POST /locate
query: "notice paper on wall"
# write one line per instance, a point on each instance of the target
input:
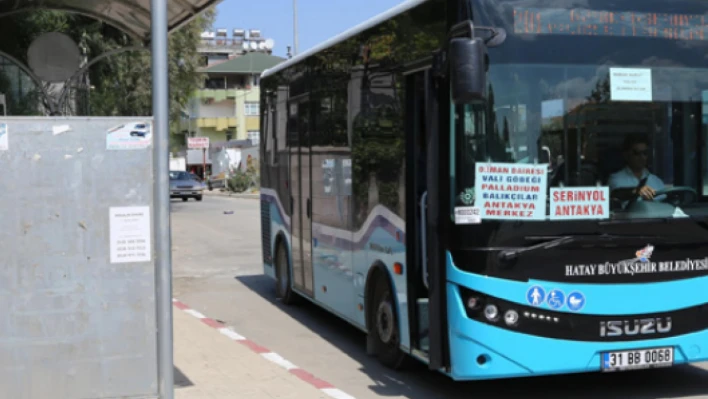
(510, 191)
(130, 234)
(572, 203)
(130, 136)
(630, 84)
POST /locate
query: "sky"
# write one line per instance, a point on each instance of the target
(318, 20)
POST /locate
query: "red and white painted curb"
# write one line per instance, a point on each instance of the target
(273, 357)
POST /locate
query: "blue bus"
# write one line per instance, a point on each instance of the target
(498, 188)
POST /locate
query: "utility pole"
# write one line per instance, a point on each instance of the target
(295, 45)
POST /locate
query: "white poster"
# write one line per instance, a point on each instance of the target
(3, 137)
(130, 234)
(509, 191)
(630, 84)
(131, 136)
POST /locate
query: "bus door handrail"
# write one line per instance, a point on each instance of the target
(423, 237)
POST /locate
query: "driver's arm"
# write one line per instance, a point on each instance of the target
(657, 184)
(619, 189)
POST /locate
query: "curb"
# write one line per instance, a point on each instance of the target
(216, 193)
(273, 357)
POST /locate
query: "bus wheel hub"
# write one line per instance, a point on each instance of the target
(384, 321)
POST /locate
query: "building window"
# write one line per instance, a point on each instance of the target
(229, 135)
(252, 109)
(254, 136)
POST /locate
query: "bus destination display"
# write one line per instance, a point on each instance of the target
(583, 22)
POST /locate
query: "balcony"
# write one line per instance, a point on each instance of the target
(218, 124)
(216, 94)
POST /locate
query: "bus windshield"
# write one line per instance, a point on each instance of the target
(591, 114)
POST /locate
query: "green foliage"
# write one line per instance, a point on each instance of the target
(122, 83)
(241, 181)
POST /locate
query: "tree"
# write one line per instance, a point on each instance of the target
(122, 84)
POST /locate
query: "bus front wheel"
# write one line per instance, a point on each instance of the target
(385, 327)
(283, 290)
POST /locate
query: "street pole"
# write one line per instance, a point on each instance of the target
(161, 209)
(204, 163)
(295, 45)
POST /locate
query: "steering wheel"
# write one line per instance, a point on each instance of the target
(635, 196)
(677, 196)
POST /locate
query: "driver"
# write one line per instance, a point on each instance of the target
(623, 184)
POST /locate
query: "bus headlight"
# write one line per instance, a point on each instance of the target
(491, 312)
(511, 317)
(472, 302)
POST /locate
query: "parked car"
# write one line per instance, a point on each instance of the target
(185, 185)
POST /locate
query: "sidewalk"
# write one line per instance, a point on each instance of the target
(209, 365)
(218, 193)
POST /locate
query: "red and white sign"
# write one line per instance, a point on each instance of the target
(572, 203)
(197, 143)
(508, 191)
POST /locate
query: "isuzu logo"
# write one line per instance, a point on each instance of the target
(616, 328)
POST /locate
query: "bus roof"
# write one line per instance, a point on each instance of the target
(399, 9)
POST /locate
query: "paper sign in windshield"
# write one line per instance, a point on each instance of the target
(573, 203)
(630, 84)
(467, 215)
(508, 191)
(3, 137)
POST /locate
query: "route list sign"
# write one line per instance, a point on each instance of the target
(510, 191)
(130, 234)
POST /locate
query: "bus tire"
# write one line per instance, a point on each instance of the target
(384, 323)
(283, 289)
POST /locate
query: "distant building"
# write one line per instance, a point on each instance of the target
(227, 107)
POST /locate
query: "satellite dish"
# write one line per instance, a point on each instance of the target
(261, 46)
(54, 57)
(269, 44)
(254, 46)
(245, 46)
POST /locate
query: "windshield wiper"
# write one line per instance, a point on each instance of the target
(510, 255)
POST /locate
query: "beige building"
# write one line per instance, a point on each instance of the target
(227, 107)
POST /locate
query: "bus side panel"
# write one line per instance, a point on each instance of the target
(381, 240)
(332, 242)
(275, 223)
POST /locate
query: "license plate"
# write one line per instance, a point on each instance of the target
(637, 359)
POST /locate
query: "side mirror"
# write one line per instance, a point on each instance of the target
(468, 70)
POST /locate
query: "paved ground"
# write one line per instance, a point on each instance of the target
(210, 365)
(217, 269)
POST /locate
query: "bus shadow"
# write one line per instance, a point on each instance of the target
(417, 382)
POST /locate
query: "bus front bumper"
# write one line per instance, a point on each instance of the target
(482, 351)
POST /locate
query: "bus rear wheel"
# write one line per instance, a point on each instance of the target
(283, 290)
(385, 329)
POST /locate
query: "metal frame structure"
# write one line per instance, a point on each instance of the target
(150, 21)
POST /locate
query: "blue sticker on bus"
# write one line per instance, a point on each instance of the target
(556, 299)
(576, 301)
(535, 295)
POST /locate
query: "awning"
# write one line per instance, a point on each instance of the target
(130, 16)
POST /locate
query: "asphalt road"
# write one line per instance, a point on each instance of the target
(217, 270)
